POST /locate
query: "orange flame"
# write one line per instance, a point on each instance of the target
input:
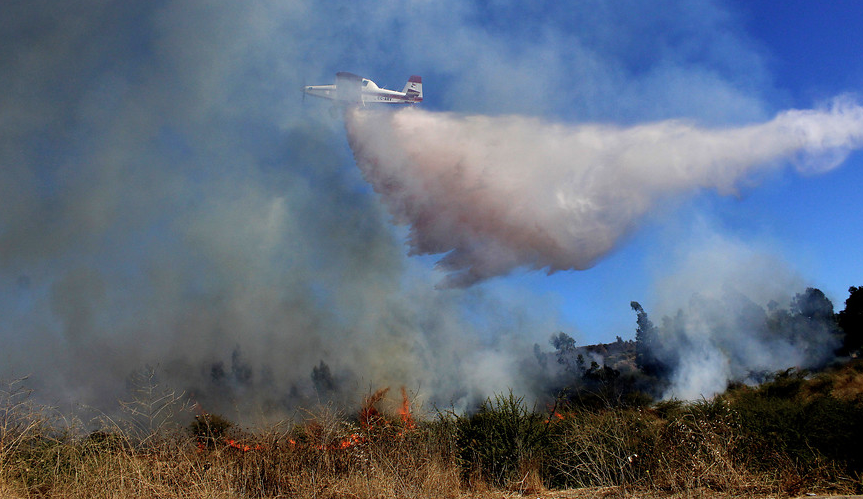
(554, 413)
(369, 414)
(405, 411)
(370, 418)
(351, 441)
(243, 447)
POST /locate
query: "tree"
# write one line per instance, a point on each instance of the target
(851, 322)
(323, 379)
(647, 344)
(813, 305)
(565, 347)
(813, 327)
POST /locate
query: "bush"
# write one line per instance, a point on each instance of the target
(600, 449)
(503, 442)
(809, 431)
(209, 429)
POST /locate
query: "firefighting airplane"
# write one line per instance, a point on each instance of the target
(352, 89)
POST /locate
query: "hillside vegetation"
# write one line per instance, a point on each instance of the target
(606, 430)
(796, 433)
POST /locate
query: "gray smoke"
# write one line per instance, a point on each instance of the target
(166, 201)
(497, 193)
(746, 315)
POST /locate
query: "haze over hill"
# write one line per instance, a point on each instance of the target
(166, 199)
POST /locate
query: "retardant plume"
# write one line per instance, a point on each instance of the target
(497, 193)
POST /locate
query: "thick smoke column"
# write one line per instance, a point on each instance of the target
(498, 193)
(166, 200)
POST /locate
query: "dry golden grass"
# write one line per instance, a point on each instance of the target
(323, 456)
(681, 451)
(368, 470)
(847, 383)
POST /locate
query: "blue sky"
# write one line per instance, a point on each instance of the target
(812, 223)
(166, 196)
(810, 49)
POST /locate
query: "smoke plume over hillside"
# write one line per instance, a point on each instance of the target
(167, 200)
(497, 193)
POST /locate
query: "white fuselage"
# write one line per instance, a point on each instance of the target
(350, 88)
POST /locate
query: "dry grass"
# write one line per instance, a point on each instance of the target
(708, 453)
(692, 450)
(847, 383)
(275, 465)
(685, 451)
(322, 456)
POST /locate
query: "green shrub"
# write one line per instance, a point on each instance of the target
(808, 431)
(502, 440)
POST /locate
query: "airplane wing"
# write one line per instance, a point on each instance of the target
(349, 87)
(354, 89)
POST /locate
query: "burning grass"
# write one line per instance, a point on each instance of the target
(326, 454)
(716, 448)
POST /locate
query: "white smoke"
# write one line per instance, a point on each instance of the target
(166, 198)
(498, 193)
(728, 310)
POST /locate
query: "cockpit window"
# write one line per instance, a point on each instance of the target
(365, 83)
